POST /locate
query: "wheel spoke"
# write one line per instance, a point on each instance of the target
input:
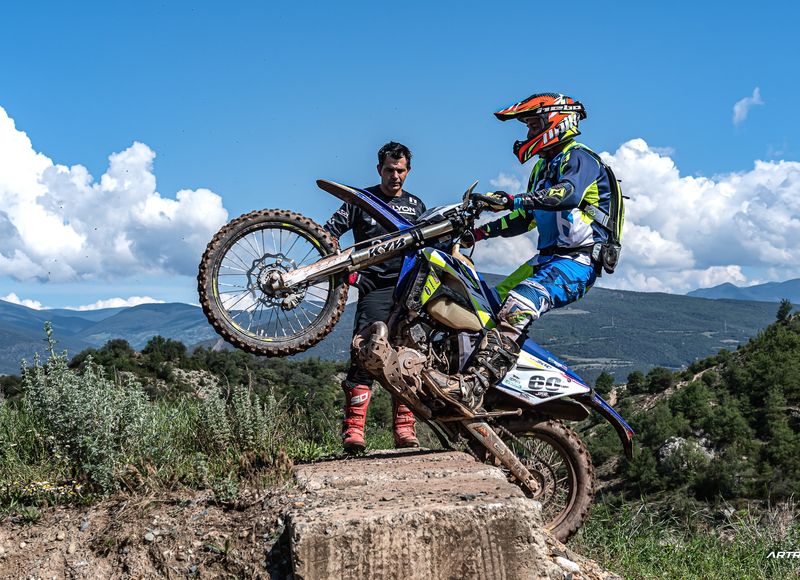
(303, 261)
(241, 262)
(256, 253)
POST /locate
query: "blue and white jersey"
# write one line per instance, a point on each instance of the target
(570, 180)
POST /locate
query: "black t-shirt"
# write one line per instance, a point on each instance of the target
(351, 217)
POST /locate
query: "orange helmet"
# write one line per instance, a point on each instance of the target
(558, 117)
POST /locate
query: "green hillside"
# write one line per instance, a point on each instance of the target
(726, 427)
(708, 494)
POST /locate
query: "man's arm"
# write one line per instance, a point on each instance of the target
(341, 221)
(579, 171)
(517, 222)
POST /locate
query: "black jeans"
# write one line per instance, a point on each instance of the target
(371, 307)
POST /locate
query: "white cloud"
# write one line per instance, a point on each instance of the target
(508, 183)
(106, 303)
(117, 303)
(743, 106)
(58, 224)
(687, 232)
(14, 299)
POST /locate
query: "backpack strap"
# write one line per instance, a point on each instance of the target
(610, 221)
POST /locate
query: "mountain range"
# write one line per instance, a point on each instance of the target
(769, 292)
(612, 330)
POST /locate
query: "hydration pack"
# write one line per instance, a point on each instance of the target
(607, 254)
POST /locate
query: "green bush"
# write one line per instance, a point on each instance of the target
(84, 419)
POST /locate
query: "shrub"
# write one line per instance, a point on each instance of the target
(85, 419)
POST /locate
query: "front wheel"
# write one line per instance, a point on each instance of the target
(235, 295)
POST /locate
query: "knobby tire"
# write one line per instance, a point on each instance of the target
(211, 301)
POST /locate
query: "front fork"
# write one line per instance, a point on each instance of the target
(353, 259)
(489, 438)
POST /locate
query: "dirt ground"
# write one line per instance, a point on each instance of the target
(175, 535)
(188, 534)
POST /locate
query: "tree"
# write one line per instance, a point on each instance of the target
(604, 383)
(658, 380)
(784, 310)
(160, 349)
(635, 383)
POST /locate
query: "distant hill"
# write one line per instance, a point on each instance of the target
(22, 328)
(769, 292)
(727, 426)
(612, 330)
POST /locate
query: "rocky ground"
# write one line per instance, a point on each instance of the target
(189, 534)
(169, 535)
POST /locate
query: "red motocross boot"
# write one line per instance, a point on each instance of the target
(356, 401)
(404, 434)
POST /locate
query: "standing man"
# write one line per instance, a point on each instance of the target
(375, 286)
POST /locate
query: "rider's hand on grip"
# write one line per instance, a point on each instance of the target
(496, 200)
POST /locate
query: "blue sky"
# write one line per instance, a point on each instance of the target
(245, 105)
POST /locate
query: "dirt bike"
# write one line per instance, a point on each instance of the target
(273, 283)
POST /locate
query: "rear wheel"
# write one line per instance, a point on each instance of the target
(232, 283)
(561, 463)
(561, 466)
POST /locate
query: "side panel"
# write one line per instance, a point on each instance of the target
(545, 355)
(536, 381)
(467, 276)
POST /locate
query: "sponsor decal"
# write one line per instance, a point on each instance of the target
(404, 209)
(358, 399)
(387, 247)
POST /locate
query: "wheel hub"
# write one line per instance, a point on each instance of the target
(264, 280)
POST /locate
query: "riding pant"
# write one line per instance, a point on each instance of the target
(540, 285)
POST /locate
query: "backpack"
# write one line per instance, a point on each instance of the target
(607, 254)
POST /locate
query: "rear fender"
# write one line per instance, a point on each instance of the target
(624, 431)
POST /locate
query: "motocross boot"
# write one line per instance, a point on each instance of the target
(356, 401)
(497, 352)
(493, 358)
(404, 434)
(495, 355)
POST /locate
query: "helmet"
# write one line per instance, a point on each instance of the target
(559, 116)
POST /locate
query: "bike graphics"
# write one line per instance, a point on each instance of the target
(272, 282)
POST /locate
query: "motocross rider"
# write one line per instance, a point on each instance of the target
(375, 286)
(566, 179)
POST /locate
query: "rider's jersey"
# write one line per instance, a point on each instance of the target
(571, 179)
(351, 217)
